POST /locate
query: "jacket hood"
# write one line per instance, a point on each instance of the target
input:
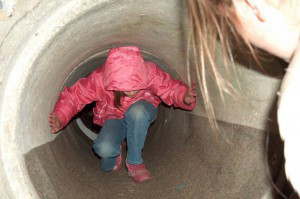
(125, 69)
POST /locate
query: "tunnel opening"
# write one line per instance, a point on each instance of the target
(187, 159)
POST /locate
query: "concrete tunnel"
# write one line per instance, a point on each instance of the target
(46, 45)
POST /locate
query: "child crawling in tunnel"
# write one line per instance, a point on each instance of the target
(127, 91)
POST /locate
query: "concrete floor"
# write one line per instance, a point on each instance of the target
(186, 158)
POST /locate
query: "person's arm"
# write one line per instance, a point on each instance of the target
(289, 120)
(72, 100)
(172, 92)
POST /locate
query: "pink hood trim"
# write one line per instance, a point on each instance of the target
(125, 70)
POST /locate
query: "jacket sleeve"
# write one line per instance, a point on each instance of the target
(169, 90)
(74, 98)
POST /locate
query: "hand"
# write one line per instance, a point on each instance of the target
(190, 95)
(54, 123)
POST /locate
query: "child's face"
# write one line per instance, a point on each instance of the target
(131, 93)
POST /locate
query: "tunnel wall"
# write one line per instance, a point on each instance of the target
(42, 42)
(32, 15)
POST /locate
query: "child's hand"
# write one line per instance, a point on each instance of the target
(190, 95)
(54, 123)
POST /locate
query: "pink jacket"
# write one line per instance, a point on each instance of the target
(124, 70)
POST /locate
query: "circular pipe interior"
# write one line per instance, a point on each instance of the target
(187, 159)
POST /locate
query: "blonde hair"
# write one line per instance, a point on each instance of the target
(211, 21)
(215, 20)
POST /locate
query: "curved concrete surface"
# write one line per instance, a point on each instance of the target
(48, 44)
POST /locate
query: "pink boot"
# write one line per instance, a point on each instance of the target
(138, 172)
(119, 160)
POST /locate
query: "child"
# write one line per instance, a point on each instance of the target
(127, 92)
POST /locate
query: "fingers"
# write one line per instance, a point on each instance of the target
(190, 98)
(51, 117)
(192, 93)
(192, 88)
(54, 130)
(193, 85)
(54, 123)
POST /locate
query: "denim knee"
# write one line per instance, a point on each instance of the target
(137, 111)
(104, 149)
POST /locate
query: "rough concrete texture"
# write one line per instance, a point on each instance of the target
(42, 44)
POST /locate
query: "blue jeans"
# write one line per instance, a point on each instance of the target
(134, 127)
